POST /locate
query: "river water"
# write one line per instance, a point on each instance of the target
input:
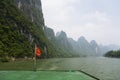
(101, 67)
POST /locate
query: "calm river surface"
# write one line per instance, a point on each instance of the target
(101, 67)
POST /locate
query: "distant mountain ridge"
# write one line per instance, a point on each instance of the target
(81, 47)
(71, 47)
(60, 41)
(85, 48)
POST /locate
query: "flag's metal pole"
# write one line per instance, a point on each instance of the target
(35, 60)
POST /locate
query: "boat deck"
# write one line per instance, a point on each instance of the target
(43, 75)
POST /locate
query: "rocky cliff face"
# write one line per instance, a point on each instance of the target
(32, 9)
(24, 25)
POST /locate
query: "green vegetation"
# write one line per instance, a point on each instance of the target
(12, 42)
(15, 32)
(114, 54)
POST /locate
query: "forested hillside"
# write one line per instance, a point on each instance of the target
(18, 33)
(114, 54)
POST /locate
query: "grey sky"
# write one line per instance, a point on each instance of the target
(94, 19)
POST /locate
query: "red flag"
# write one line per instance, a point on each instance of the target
(37, 51)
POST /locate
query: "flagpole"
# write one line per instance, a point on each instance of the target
(35, 63)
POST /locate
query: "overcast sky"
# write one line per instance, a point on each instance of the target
(94, 19)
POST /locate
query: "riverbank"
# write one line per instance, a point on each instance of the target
(21, 64)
